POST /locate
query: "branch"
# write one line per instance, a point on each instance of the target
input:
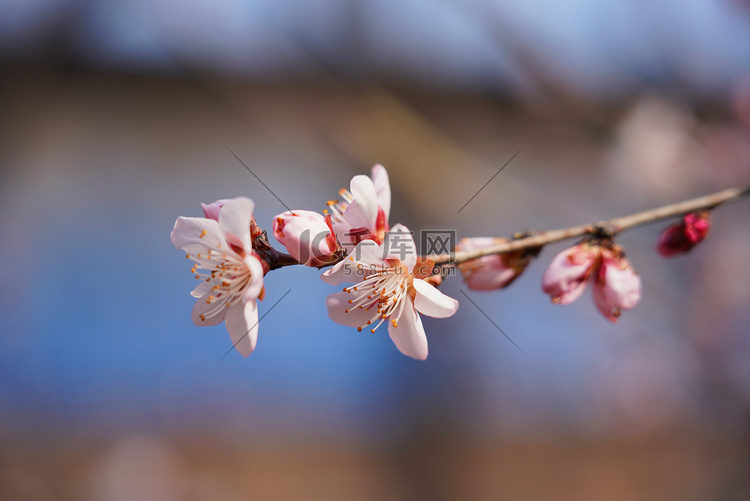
(610, 226)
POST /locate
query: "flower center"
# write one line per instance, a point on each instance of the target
(382, 293)
(227, 272)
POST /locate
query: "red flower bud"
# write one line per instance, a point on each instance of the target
(683, 236)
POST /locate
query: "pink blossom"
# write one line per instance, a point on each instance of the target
(567, 275)
(389, 287)
(683, 236)
(490, 272)
(307, 236)
(616, 286)
(363, 213)
(230, 274)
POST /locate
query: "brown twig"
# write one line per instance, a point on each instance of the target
(610, 226)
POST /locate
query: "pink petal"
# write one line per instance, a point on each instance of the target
(408, 335)
(234, 220)
(362, 212)
(201, 307)
(566, 277)
(382, 188)
(188, 231)
(610, 311)
(341, 272)
(367, 253)
(622, 285)
(344, 233)
(202, 289)
(400, 245)
(338, 304)
(431, 302)
(616, 287)
(242, 324)
(255, 286)
(490, 277)
(488, 272)
(211, 211)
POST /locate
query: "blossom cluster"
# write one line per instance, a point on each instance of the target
(389, 282)
(232, 256)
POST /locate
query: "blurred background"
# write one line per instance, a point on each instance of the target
(116, 117)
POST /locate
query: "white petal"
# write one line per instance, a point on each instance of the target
(382, 188)
(409, 336)
(242, 324)
(188, 232)
(337, 305)
(201, 307)
(362, 212)
(431, 302)
(256, 279)
(367, 253)
(202, 289)
(400, 245)
(340, 272)
(234, 220)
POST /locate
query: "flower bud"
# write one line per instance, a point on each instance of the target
(566, 277)
(491, 272)
(308, 237)
(683, 236)
(616, 285)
